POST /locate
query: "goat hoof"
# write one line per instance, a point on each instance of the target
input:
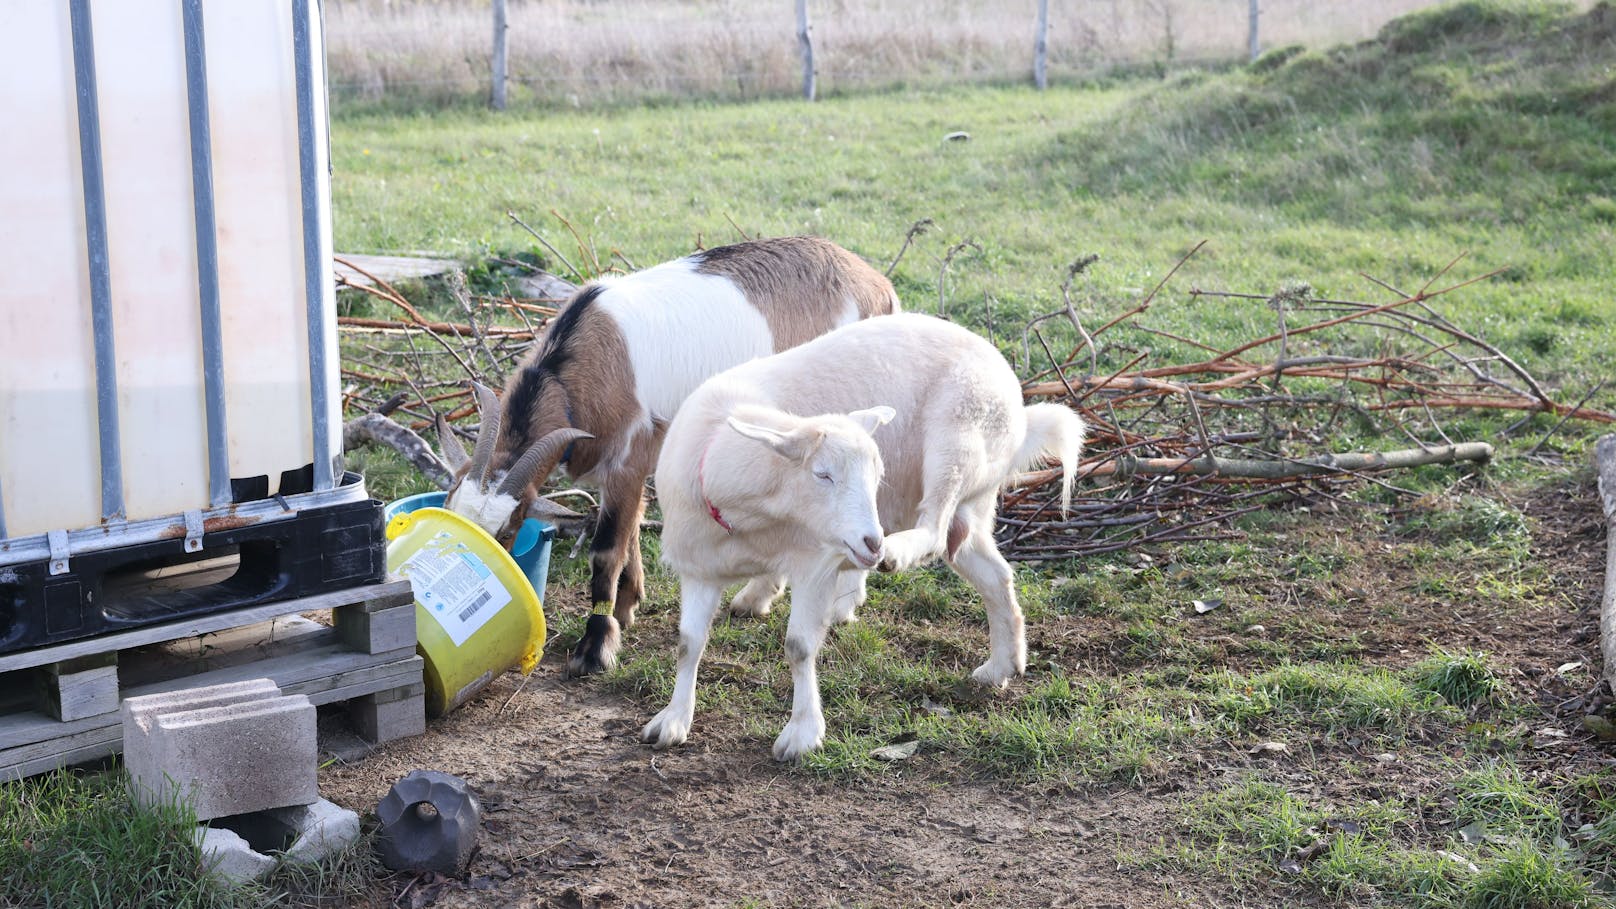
(582, 664)
(754, 599)
(797, 740)
(597, 649)
(993, 675)
(747, 609)
(666, 729)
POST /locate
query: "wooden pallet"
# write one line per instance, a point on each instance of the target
(59, 704)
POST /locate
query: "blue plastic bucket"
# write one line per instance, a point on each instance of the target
(531, 550)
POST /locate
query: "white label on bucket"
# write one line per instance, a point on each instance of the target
(454, 586)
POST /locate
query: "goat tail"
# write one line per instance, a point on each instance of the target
(1054, 429)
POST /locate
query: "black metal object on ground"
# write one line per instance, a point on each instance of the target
(429, 822)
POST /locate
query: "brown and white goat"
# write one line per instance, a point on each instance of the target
(884, 443)
(615, 366)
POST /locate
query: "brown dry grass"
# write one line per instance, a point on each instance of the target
(585, 52)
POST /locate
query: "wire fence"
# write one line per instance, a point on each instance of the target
(587, 52)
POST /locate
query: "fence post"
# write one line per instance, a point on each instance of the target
(501, 54)
(807, 45)
(1251, 30)
(1040, 48)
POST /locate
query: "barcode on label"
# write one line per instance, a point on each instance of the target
(474, 605)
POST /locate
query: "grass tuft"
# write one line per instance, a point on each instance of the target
(1528, 875)
(1499, 797)
(1461, 679)
(71, 840)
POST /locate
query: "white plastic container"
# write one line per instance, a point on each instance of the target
(167, 317)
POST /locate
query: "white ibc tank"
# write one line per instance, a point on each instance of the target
(167, 321)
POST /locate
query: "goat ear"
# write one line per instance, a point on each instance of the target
(872, 418)
(795, 445)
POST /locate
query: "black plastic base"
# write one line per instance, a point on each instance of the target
(318, 550)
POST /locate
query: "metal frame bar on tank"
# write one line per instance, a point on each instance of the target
(95, 230)
(128, 533)
(207, 252)
(329, 488)
(314, 270)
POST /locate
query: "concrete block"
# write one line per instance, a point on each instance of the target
(228, 759)
(376, 630)
(323, 829)
(388, 715)
(138, 711)
(148, 778)
(226, 855)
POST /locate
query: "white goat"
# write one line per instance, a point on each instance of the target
(773, 471)
(612, 369)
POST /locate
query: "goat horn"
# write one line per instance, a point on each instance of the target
(538, 461)
(487, 435)
(453, 452)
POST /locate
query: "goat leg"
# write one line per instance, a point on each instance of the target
(757, 597)
(978, 561)
(698, 602)
(812, 601)
(616, 535)
(631, 583)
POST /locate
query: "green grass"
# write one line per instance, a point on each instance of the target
(1498, 798)
(1484, 129)
(1461, 679)
(1371, 853)
(68, 840)
(78, 841)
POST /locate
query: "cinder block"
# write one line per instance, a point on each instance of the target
(323, 829)
(380, 630)
(139, 716)
(388, 715)
(226, 855)
(134, 709)
(226, 759)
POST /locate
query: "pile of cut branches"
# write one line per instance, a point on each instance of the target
(1186, 436)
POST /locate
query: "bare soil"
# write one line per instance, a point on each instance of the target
(577, 813)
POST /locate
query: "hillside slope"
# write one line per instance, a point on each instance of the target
(1500, 111)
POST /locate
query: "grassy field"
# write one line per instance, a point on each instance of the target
(1389, 158)
(1385, 707)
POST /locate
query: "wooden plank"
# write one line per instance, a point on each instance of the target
(86, 746)
(384, 677)
(196, 625)
(103, 735)
(313, 672)
(79, 688)
(391, 268)
(308, 672)
(1605, 464)
(250, 643)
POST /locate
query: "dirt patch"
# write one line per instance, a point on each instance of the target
(577, 813)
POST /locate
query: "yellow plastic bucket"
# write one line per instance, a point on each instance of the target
(476, 613)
